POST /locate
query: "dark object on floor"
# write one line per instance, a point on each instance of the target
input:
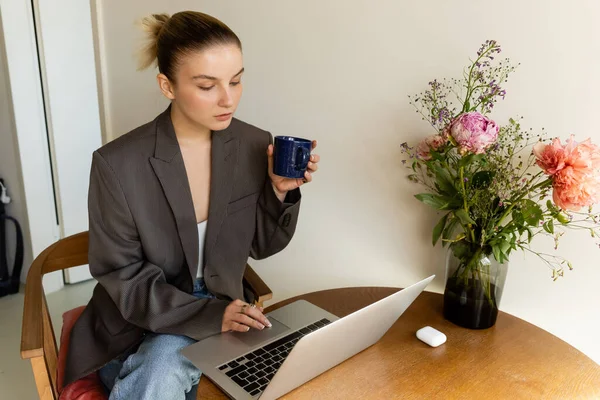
(9, 284)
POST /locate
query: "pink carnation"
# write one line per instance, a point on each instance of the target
(473, 132)
(433, 142)
(575, 171)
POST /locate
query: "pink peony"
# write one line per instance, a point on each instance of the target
(473, 132)
(433, 142)
(550, 157)
(575, 171)
(575, 189)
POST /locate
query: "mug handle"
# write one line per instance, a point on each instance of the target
(302, 157)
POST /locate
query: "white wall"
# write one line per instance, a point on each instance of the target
(340, 72)
(10, 169)
(30, 128)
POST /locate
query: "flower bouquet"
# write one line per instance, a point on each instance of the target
(497, 186)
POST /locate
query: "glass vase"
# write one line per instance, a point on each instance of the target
(474, 285)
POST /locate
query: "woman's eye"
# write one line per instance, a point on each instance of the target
(235, 83)
(206, 88)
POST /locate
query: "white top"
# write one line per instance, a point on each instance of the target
(201, 239)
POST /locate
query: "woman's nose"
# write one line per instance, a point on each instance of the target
(226, 99)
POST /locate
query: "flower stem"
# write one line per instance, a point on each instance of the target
(469, 89)
(466, 207)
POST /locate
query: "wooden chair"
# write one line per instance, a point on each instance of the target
(38, 340)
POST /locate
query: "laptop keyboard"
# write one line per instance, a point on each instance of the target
(253, 371)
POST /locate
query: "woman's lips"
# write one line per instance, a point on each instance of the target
(224, 117)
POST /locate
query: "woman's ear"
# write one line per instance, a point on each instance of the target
(165, 86)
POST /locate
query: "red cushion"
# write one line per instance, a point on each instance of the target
(86, 388)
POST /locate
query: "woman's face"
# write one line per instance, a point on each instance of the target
(208, 86)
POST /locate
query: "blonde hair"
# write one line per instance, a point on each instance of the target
(152, 25)
(168, 38)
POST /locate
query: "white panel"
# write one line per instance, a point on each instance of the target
(10, 167)
(26, 93)
(70, 76)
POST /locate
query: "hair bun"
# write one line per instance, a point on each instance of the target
(153, 26)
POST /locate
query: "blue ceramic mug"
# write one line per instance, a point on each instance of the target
(291, 156)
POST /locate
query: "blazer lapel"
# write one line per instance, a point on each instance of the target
(223, 165)
(170, 169)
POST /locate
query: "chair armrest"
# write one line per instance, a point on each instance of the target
(32, 334)
(258, 287)
(68, 252)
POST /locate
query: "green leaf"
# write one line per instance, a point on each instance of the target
(438, 202)
(444, 180)
(469, 159)
(529, 235)
(464, 217)
(436, 156)
(449, 229)
(532, 213)
(513, 241)
(551, 207)
(461, 250)
(482, 179)
(517, 217)
(497, 253)
(549, 226)
(430, 199)
(438, 229)
(563, 219)
(505, 248)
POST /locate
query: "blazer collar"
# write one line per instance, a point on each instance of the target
(167, 146)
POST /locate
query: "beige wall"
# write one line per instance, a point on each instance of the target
(340, 72)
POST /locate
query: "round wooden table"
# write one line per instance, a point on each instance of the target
(514, 359)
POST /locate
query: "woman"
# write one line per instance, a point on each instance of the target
(176, 206)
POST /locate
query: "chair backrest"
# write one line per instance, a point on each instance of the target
(38, 342)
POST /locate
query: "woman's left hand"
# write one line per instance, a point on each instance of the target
(283, 185)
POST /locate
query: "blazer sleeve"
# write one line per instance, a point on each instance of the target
(275, 221)
(138, 287)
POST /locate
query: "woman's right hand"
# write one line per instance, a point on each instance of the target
(240, 317)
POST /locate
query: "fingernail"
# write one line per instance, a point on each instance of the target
(260, 326)
(268, 323)
(247, 328)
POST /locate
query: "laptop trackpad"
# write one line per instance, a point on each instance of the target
(254, 337)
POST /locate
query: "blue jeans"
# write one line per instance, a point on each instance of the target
(156, 370)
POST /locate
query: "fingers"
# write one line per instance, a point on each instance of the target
(257, 315)
(237, 327)
(307, 177)
(247, 321)
(270, 157)
(314, 144)
(312, 166)
(240, 317)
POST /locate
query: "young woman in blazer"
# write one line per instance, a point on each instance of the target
(176, 207)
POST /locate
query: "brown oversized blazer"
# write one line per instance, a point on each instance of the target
(144, 242)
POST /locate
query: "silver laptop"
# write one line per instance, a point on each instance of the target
(303, 342)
